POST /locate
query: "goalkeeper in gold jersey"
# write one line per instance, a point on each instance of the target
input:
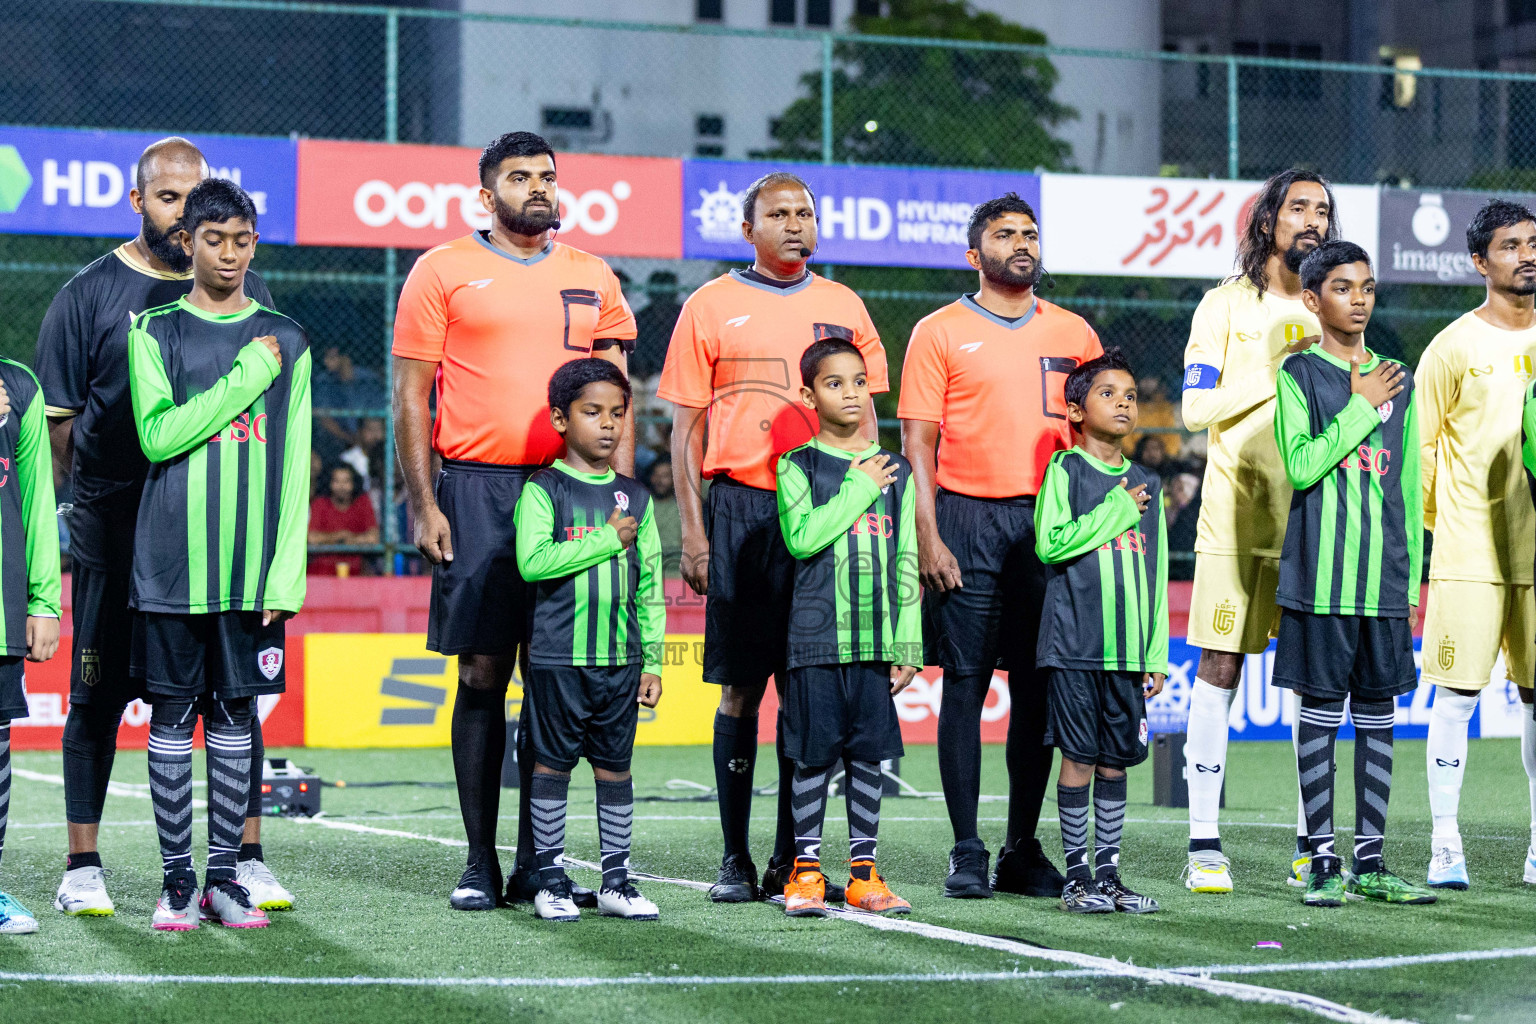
(1241, 333)
(1472, 381)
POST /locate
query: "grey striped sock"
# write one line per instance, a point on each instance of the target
(170, 780)
(1317, 729)
(5, 781)
(808, 803)
(546, 805)
(864, 787)
(1373, 779)
(1072, 806)
(227, 733)
(1108, 822)
(615, 821)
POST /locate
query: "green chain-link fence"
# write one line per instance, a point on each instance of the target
(418, 74)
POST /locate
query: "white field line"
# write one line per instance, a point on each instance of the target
(1366, 964)
(136, 791)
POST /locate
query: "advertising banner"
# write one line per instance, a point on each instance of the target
(1424, 235)
(414, 197)
(57, 181)
(1165, 227)
(870, 216)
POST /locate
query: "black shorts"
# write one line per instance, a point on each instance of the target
(836, 711)
(13, 689)
(994, 619)
(573, 713)
(751, 581)
(1097, 717)
(100, 670)
(1331, 657)
(228, 655)
(101, 525)
(480, 603)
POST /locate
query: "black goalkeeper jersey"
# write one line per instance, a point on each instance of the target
(82, 364)
(225, 513)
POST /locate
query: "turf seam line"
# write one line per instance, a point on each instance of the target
(551, 982)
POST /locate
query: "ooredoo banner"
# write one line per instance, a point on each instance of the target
(1165, 227)
(58, 181)
(414, 197)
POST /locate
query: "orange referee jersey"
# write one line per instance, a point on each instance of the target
(996, 390)
(499, 327)
(736, 351)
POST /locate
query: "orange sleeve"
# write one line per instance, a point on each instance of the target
(421, 317)
(614, 318)
(924, 376)
(876, 363)
(688, 375)
(1092, 347)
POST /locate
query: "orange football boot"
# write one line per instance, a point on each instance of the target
(874, 896)
(805, 895)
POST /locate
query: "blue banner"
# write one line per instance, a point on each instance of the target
(57, 181)
(873, 216)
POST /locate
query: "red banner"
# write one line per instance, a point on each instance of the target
(414, 197)
(918, 709)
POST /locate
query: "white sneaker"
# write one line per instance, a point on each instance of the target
(1530, 865)
(1208, 871)
(228, 903)
(265, 891)
(1301, 871)
(1447, 869)
(83, 893)
(553, 902)
(15, 919)
(626, 902)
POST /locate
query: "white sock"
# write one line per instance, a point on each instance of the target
(1293, 699)
(1445, 757)
(1205, 756)
(1528, 755)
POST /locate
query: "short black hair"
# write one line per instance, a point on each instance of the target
(1495, 214)
(819, 352)
(1314, 269)
(216, 200)
(1080, 380)
(508, 145)
(573, 377)
(749, 198)
(987, 212)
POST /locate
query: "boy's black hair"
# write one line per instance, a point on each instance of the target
(1080, 380)
(749, 198)
(1315, 268)
(813, 357)
(572, 378)
(216, 200)
(987, 212)
(1495, 214)
(510, 144)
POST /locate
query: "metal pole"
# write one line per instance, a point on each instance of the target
(391, 134)
(826, 117)
(1231, 117)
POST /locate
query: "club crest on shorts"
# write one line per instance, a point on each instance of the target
(270, 661)
(1224, 618)
(90, 666)
(622, 497)
(1141, 732)
(1445, 654)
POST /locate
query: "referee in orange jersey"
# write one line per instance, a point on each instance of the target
(486, 320)
(982, 410)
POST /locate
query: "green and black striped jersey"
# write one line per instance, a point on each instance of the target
(1528, 437)
(1106, 592)
(1354, 540)
(857, 592)
(29, 530)
(597, 604)
(224, 518)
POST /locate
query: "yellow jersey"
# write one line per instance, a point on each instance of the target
(1237, 341)
(1471, 387)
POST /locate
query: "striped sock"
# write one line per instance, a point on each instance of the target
(227, 734)
(546, 803)
(864, 787)
(1072, 806)
(1373, 779)
(1108, 824)
(170, 780)
(5, 781)
(615, 821)
(808, 801)
(1317, 729)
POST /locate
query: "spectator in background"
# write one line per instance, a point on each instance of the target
(1182, 512)
(654, 323)
(669, 523)
(316, 465)
(1155, 409)
(339, 383)
(366, 455)
(343, 515)
(1152, 452)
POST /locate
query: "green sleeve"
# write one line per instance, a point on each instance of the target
(808, 528)
(1157, 651)
(34, 468)
(1413, 500)
(1528, 434)
(166, 429)
(1061, 537)
(286, 582)
(1309, 458)
(540, 556)
(653, 603)
(909, 590)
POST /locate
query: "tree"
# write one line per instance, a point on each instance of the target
(949, 107)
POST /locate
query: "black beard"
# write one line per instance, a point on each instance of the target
(1296, 254)
(1523, 287)
(1002, 274)
(524, 222)
(166, 246)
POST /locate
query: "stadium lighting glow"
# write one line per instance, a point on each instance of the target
(871, 126)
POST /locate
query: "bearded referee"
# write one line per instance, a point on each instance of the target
(982, 411)
(486, 320)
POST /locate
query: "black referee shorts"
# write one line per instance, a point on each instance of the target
(1097, 717)
(13, 690)
(836, 711)
(995, 617)
(1331, 657)
(480, 603)
(583, 712)
(751, 580)
(227, 655)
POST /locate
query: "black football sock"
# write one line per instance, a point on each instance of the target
(170, 780)
(479, 737)
(82, 860)
(960, 747)
(1373, 779)
(258, 760)
(1108, 823)
(735, 758)
(227, 734)
(1027, 756)
(615, 820)
(5, 780)
(547, 804)
(863, 786)
(90, 747)
(808, 787)
(1072, 806)
(250, 851)
(784, 825)
(525, 862)
(1317, 729)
